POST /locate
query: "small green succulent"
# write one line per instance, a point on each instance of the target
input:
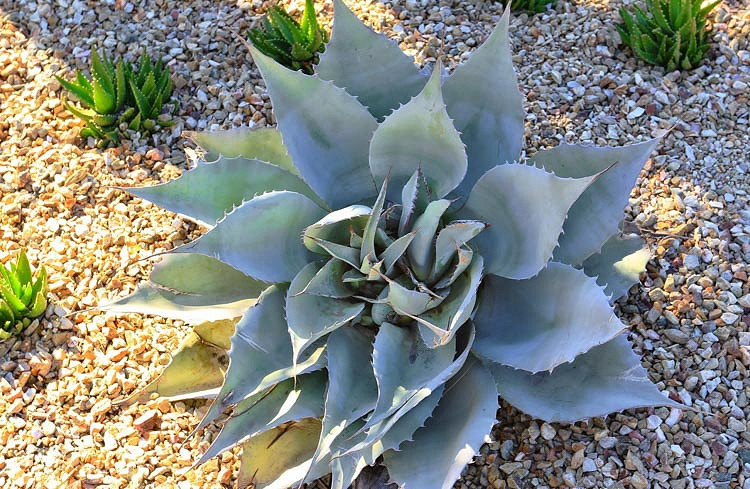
(535, 6)
(22, 296)
(376, 281)
(672, 33)
(117, 97)
(294, 45)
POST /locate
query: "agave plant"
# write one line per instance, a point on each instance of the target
(379, 279)
(671, 34)
(117, 97)
(22, 296)
(295, 45)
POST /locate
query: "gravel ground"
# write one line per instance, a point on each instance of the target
(690, 320)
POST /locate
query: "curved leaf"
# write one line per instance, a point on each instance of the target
(196, 370)
(421, 250)
(597, 213)
(542, 322)
(606, 379)
(279, 458)
(619, 264)
(337, 227)
(525, 208)
(262, 144)
(310, 317)
(403, 364)
(289, 400)
(193, 288)
(451, 437)
(328, 142)
(482, 97)
(261, 237)
(261, 354)
(368, 65)
(206, 193)
(419, 135)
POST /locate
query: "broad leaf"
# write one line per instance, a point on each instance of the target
(542, 322)
(618, 266)
(337, 227)
(310, 317)
(597, 213)
(289, 400)
(483, 100)
(196, 370)
(606, 379)
(368, 65)
(403, 364)
(261, 237)
(525, 208)
(421, 251)
(193, 288)
(279, 458)
(419, 135)
(327, 142)
(206, 193)
(261, 354)
(452, 436)
(262, 144)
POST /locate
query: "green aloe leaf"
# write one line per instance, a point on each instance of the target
(104, 102)
(451, 437)
(618, 265)
(224, 184)
(84, 94)
(262, 144)
(289, 400)
(261, 354)
(482, 97)
(606, 379)
(193, 288)
(101, 74)
(419, 135)
(141, 101)
(328, 143)
(261, 237)
(23, 269)
(310, 317)
(539, 323)
(596, 215)
(368, 65)
(523, 228)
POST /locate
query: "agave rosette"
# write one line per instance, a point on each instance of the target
(381, 266)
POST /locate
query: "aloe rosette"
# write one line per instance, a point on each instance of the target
(381, 266)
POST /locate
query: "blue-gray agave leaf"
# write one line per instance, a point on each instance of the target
(224, 183)
(328, 142)
(521, 238)
(263, 143)
(193, 288)
(261, 237)
(608, 378)
(596, 215)
(419, 135)
(542, 322)
(368, 65)
(619, 264)
(452, 436)
(482, 97)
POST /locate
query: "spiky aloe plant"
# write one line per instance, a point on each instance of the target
(388, 271)
(117, 97)
(296, 45)
(22, 296)
(535, 6)
(672, 33)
